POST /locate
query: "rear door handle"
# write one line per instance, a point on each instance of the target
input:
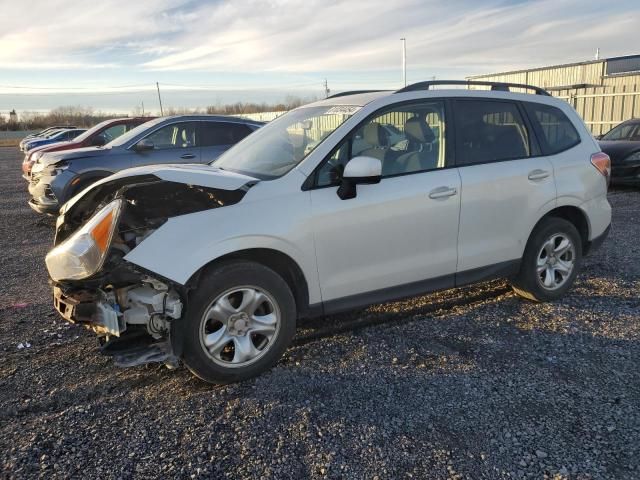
(443, 192)
(187, 156)
(538, 174)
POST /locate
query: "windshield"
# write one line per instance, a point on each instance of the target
(626, 131)
(133, 133)
(276, 148)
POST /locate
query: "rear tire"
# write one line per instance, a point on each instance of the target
(238, 323)
(551, 261)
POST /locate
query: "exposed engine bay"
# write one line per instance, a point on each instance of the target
(131, 310)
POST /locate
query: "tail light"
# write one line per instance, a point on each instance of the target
(602, 162)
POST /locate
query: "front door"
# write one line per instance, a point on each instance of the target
(174, 143)
(398, 237)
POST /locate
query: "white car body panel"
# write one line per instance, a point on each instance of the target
(391, 234)
(500, 207)
(267, 217)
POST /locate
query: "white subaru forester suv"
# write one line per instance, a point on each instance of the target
(322, 211)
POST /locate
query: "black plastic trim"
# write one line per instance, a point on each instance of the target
(597, 242)
(498, 270)
(445, 282)
(495, 86)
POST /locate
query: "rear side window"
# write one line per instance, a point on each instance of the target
(489, 131)
(555, 130)
(222, 133)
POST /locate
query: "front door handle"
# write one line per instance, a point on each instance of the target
(538, 174)
(443, 192)
(187, 156)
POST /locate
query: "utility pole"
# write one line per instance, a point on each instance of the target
(404, 61)
(326, 89)
(160, 99)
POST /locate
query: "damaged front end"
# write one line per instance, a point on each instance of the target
(132, 311)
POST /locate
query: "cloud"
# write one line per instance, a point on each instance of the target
(349, 38)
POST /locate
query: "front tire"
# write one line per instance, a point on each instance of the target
(239, 322)
(551, 261)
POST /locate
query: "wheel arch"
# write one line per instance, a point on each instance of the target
(279, 262)
(81, 181)
(575, 216)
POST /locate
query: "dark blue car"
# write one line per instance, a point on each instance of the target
(57, 176)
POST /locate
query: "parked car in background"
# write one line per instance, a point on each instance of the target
(59, 136)
(215, 264)
(622, 144)
(96, 136)
(43, 133)
(57, 176)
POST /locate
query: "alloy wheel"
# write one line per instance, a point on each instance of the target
(239, 326)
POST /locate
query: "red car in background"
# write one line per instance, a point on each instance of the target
(96, 136)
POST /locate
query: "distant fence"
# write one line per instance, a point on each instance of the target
(262, 116)
(602, 108)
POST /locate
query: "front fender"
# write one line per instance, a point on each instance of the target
(185, 244)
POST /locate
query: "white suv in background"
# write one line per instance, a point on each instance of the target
(214, 264)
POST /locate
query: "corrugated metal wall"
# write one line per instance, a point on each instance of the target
(615, 98)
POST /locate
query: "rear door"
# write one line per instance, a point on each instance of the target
(173, 143)
(219, 136)
(506, 183)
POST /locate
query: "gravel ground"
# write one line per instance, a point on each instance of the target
(468, 383)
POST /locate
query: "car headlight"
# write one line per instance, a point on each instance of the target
(83, 253)
(634, 157)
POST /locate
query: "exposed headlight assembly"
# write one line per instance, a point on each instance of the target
(634, 157)
(83, 253)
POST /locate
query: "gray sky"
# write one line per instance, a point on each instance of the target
(109, 54)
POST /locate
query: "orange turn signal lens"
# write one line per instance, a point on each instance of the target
(602, 162)
(102, 231)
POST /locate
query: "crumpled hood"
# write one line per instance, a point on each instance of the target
(189, 174)
(51, 158)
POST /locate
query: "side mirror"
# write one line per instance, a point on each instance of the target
(144, 145)
(99, 141)
(359, 170)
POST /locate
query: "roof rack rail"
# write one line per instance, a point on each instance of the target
(354, 92)
(498, 86)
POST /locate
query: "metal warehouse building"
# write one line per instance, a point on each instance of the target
(604, 92)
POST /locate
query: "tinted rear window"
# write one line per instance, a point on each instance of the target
(489, 131)
(555, 130)
(223, 133)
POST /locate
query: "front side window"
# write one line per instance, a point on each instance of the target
(629, 131)
(279, 146)
(489, 131)
(406, 139)
(557, 131)
(175, 135)
(222, 133)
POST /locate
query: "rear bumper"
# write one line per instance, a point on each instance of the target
(597, 242)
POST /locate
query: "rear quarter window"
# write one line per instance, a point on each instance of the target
(554, 129)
